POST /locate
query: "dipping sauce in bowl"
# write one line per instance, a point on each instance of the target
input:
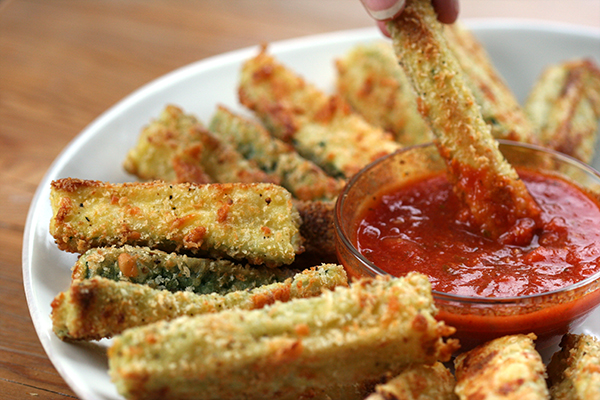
(400, 214)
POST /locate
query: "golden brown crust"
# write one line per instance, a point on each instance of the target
(341, 337)
(369, 78)
(303, 178)
(256, 222)
(322, 128)
(92, 309)
(564, 106)
(504, 368)
(497, 199)
(418, 382)
(158, 153)
(317, 227)
(574, 371)
(174, 272)
(499, 107)
(176, 147)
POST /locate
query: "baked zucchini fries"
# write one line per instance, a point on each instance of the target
(505, 368)
(322, 128)
(574, 371)
(317, 228)
(96, 308)
(176, 147)
(303, 178)
(564, 106)
(371, 80)
(491, 189)
(339, 338)
(499, 107)
(174, 272)
(253, 222)
(418, 382)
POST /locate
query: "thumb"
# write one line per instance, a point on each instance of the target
(383, 9)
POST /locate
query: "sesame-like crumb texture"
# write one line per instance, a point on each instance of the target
(96, 308)
(303, 178)
(505, 368)
(174, 272)
(574, 372)
(348, 335)
(322, 128)
(254, 222)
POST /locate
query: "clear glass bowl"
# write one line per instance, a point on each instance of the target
(477, 319)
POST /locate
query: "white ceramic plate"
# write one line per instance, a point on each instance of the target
(520, 49)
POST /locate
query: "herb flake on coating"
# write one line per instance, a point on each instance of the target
(174, 272)
(254, 222)
(344, 336)
(96, 308)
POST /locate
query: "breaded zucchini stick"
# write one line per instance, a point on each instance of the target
(369, 78)
(174, 272)
(253, 222)
(499, 106)
(92, 309)
(176, 147)
(303, 178)
(341, 337)
(564, 106)
(505, 368)
(574, 372)
(160, 154)
(317, 228)
(418, 382)
(322, 128)
(497, 199)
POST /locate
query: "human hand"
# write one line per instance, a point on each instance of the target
(384, 10)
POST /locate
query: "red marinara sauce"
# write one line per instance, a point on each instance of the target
(421, 227)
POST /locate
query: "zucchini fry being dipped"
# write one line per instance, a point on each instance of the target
(253, 222)
(564, 106)
(489, 186)
(369, 78)
(96, 308)
(348, 335)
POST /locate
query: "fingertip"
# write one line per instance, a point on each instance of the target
(382, 10)
(383, 28)
(447, 10)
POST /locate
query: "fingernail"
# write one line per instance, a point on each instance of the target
(383, 9)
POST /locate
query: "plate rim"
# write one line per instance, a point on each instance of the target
(180, 73)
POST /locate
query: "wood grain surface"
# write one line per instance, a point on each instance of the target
(64, 62)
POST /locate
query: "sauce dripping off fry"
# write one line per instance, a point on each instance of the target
(487, 184)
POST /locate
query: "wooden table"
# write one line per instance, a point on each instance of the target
(62, 63)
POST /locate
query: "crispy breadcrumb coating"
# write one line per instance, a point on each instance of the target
(489, 186)
(341, 337)
(253, 222)
(507, 368)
